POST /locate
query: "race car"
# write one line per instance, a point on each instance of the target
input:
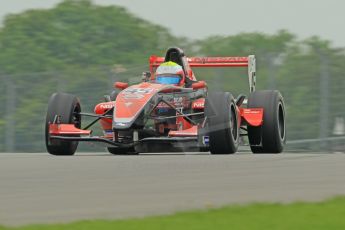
(167, 113)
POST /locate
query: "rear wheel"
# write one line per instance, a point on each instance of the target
(223, 128)
(67, 107)
(271, 136)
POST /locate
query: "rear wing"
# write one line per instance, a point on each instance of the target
(248, 62)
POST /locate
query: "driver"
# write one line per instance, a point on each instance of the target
(170, 73)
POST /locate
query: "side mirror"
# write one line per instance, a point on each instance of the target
(199, 85)
(120, 85)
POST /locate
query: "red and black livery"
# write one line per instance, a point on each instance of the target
(152, 117)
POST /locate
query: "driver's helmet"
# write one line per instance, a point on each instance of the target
(169, 73)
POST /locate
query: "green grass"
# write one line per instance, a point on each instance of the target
(326, 215)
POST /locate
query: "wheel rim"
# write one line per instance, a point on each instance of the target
(76, 119)
(281, 121)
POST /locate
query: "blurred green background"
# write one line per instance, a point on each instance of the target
(81, 48)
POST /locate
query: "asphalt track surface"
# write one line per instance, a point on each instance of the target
(39, 188)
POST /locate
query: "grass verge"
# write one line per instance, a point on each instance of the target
(327, 215)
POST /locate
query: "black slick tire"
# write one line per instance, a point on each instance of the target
(222, 123)
(67, 107)
(271, 136)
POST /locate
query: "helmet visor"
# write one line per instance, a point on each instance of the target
(168, 79)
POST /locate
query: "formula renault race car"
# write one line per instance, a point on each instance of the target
(177, 114)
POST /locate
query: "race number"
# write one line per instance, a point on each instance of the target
(136, 93)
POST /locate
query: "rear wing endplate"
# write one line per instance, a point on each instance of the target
(248, 62)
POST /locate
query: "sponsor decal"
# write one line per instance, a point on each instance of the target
(106, 105)
(120, 124)
(178, 99)
(217, 59)
(198, 105)
(178, 102)
(205, 140)
(133, 96)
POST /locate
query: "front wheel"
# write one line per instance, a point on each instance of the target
(67, 107)
(223, 125)
(271, 136)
